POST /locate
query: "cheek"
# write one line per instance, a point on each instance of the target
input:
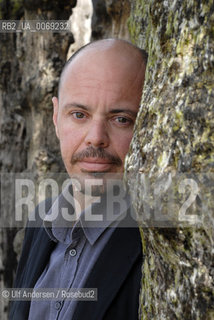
(122, 146)
(70, 139)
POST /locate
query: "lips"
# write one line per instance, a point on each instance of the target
(96, 164)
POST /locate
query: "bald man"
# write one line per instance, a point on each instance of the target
(98, 99)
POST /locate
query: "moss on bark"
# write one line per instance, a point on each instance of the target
(174, 139)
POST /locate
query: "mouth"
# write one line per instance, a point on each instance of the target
(96, 165)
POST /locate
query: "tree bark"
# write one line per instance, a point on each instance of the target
(30, 65)
(172, 156)
(110, 19)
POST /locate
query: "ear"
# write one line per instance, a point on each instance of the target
(55, 114)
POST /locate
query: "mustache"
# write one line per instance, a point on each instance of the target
(92, 152)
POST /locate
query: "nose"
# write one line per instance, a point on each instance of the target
(97, 134)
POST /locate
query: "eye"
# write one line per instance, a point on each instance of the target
(123, 120)
(78, 115)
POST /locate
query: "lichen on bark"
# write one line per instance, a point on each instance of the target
(174, 139)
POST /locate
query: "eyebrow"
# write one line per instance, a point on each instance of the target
(76, 105)
(111, 111)
(132, 113)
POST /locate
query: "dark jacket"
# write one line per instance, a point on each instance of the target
(116, 275)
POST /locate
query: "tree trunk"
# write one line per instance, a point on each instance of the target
(30, 66)
(172, 158)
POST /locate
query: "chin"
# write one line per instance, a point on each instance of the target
(96, 183)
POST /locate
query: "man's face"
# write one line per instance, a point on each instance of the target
(99, 99)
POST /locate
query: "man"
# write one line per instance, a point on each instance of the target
(98, 100)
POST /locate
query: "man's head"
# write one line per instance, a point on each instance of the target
(98, 100)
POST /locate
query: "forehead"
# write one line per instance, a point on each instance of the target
(107, 59)
(118, 69)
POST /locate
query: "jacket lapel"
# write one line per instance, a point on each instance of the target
(32, 268)
(38, 258)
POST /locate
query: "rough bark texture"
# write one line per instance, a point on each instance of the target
(174, 137)
(110, 19)
(30, 65)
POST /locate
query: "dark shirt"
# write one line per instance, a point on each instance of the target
(71, 262)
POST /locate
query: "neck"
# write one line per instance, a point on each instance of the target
(82, 201)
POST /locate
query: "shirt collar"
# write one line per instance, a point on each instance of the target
(93, 221)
